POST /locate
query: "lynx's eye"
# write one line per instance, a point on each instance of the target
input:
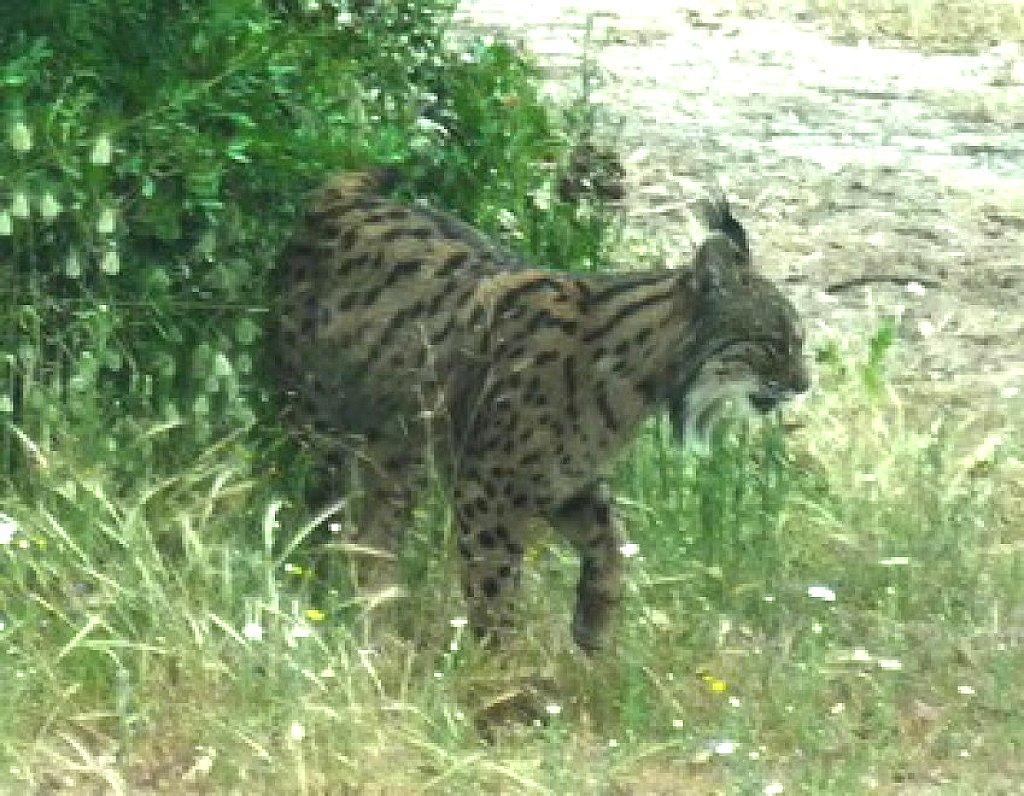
(776, 350)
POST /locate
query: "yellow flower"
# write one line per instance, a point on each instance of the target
(315, 615)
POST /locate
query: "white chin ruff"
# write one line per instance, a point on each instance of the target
(712, 398)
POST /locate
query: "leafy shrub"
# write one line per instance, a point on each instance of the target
(156, 153)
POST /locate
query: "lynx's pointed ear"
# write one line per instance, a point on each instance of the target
(723, 252)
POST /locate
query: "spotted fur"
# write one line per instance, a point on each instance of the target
(400, 330)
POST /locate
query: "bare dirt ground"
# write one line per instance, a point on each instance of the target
(877, 181)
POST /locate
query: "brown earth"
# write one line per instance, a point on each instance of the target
(877, 181)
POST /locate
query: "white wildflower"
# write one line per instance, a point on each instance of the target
(8, 527)
(253, 631)
(506, 218)
(821, 593)
(101, 151)
(986, 450)
(202, 765)
(425, 125)
(19, 205)
(222, 365)
(21, 137)
(49, 207)
(110, 263)
(629, 549)
(107, 221)
(541, 199)
(73, 265)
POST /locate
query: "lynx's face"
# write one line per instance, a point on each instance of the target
(748, 352)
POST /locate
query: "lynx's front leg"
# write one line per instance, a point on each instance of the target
(387, 479)
(491, 553)
(588, 521)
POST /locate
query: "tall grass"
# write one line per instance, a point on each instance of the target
(824, 608)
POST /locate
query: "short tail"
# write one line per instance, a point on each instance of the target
(346, 186)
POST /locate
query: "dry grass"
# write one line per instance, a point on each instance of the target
(938, 25)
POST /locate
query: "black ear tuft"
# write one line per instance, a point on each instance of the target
(723, 255)
(714, 215)
(735, 232)
(350, 185)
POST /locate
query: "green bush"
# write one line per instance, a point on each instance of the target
(154, 158)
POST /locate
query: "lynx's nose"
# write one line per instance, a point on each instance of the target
(773, 393)
(768, 397)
